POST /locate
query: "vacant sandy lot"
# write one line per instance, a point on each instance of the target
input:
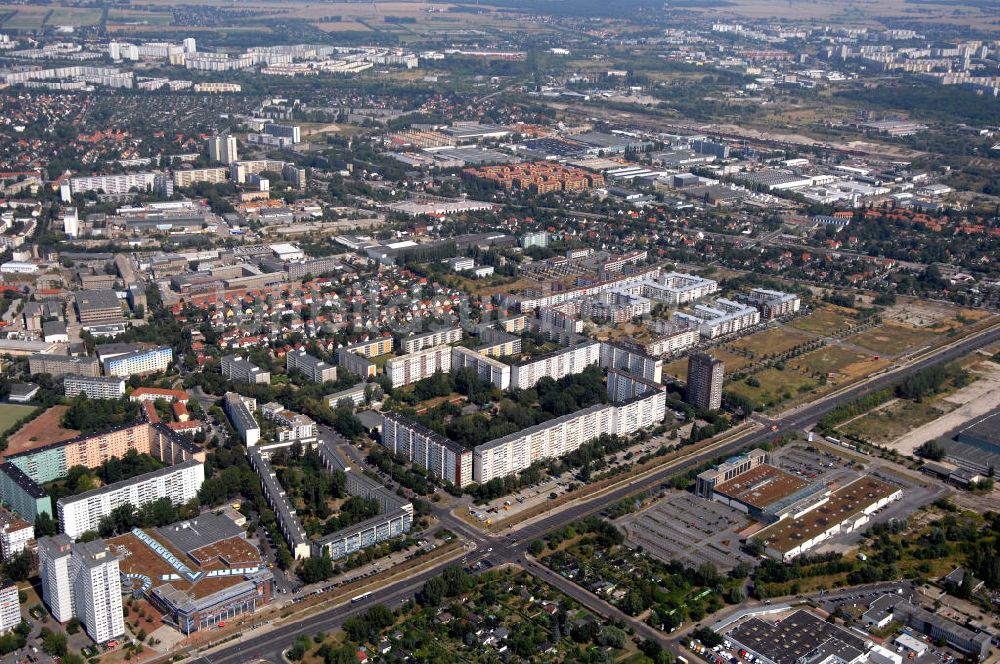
(973, 400)
(41, 431)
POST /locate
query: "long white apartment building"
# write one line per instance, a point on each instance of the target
(410, 368)
(719, 318)
(514, 453)
(443, 457)
(617, 356)
(532, 301)
(489, 369)
(675, 288)
(84, 511)
(430, 339)
(95, 387)
(10, 607)
(557, 364)
(117, 184)
(83, 581)
(15, 534)
(673, 337)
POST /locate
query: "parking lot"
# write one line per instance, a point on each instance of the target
(688, 529)
(813, 465)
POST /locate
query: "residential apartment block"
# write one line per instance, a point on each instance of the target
(83, 581)
(140, 362)
(444, 458)
(673, 338)
(22, 494)
(354, 357)
(241, 370)
(557, 364)
(240, 411)
(190, 177)
(489, 369)
(430, 339)
(84, 511)
(356, 395)
(618, 356)
(59, 365)
(51, 462)
(516, 452)
(15, 534)
(293, 427)
(772, 304)
(719, 318)
(675, 288)
(97, 590)
(95, 387)
(10, 607)
(315, 369)
(704, 381)
(416, 366)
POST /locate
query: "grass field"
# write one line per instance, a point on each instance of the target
(825, 320)
(10, 414)
(886, 424)
(775, 387)
(773, 341)
(842, 362)
(892, 338)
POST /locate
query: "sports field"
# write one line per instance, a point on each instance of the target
(10, 414)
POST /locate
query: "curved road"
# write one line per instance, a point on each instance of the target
(269, 645)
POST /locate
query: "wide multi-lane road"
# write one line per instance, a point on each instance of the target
(511, 547)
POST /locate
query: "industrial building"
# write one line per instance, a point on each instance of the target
(98, 307)
(846, 510)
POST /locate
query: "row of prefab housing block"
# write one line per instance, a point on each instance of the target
(22, 474)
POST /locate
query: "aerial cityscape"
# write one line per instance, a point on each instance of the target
(499, 331)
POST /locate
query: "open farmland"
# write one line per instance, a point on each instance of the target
(25, 18)
(75, 17)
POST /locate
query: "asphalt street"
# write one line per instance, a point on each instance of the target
(500, 549)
